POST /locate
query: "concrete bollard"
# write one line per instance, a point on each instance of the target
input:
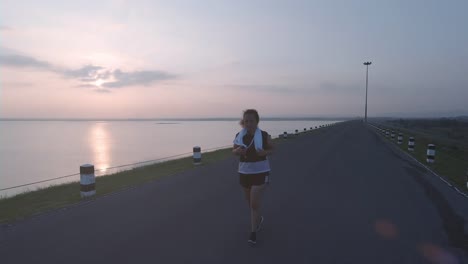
(285, 135)
(196, 155)
(400, 138)
(411, 143)
(430, 153)
(87, 181)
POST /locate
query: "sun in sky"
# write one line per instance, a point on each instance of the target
(99, 82)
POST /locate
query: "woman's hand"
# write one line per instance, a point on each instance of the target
(240, 151)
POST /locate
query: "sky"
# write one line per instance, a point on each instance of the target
(197, 59)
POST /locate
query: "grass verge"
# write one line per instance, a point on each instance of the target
(450, 160)
(58, 196)
(31, 203)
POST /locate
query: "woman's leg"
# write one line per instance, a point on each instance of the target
(256, 193)
(247, 195)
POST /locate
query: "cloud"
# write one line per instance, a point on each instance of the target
(89, 74)
(4, 28)
(102, 91)
(22, 61)
(87, 86)
(145, 78)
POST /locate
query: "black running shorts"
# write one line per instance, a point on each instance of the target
(248, 180)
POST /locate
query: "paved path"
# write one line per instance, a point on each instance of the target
(340, 195)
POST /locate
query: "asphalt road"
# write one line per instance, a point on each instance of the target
(340, 195)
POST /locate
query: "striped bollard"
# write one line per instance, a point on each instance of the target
(387, 134)
(411, 144)
(285, 135)
(196, 155)
(400, 138)
(297, 132)
(87, 181)
(430, 153)
(393, 135)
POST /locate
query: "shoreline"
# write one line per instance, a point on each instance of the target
(55, 197)
(31, 203)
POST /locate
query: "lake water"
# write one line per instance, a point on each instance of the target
(33, 151)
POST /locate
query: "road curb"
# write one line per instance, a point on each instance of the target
(452, 186)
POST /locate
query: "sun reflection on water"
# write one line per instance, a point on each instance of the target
(100, 145)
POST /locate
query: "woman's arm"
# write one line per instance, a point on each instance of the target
(268, 149)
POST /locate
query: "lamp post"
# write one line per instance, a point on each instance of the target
(367, 80)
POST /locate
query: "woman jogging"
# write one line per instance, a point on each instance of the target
(253, 145)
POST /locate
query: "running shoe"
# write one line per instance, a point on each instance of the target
(253, 238)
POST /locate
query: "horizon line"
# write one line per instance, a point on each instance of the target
(168, 118)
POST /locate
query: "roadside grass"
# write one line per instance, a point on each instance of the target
(56, 196)
(34, 202)
(450, 160)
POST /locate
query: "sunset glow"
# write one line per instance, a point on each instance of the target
(151, 59)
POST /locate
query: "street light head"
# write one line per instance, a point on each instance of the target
(367, 63)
